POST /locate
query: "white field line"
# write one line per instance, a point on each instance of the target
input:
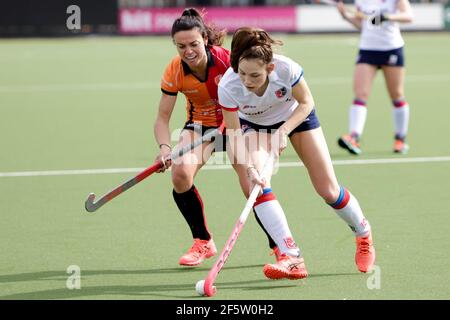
(223, 167)
(155, 85)
(78, 87)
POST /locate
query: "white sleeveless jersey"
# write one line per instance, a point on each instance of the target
(384, 37)
(277, 103)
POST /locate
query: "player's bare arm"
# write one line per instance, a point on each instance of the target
(162, 130)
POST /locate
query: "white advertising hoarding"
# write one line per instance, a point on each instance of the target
(427, 17)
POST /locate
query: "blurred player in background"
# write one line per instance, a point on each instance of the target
(195, 72)
(380, 47)
(266, 98)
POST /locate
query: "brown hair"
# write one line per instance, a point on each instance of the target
(191, 19)
(251, 43)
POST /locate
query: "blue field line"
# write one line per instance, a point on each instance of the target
(223, 167)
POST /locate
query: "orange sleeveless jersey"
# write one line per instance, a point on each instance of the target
(202, 104)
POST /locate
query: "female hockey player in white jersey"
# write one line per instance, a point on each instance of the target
(265, 97)
(380, 47)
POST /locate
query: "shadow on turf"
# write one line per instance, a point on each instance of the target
(62, 275)
(382, 153)
(158, 290)
(147, 291)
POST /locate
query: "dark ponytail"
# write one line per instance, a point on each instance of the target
(190, 19)
(251, 43)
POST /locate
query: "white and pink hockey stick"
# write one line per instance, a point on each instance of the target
(206, 287)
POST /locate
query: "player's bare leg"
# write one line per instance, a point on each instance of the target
(290, 263)
(313, 151)
(394, 78)
(363, 77)
(188, 199)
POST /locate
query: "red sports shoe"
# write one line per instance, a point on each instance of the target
(200, 250)
(288, 267)
(365, 253)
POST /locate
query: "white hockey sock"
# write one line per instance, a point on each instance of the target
(272, 217)
(400, 115)
(349, 210)
(357, 117)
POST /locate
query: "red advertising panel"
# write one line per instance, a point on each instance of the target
(159, 20)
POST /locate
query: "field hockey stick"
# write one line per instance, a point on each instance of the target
(333, 3)
(92, 206)
(206, 287)
(328, 2)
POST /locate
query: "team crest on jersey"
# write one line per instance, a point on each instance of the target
(280, 93)
(290, 243)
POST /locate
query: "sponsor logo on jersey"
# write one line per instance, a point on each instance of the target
(190, 91)
(256, 113)
(248, 107)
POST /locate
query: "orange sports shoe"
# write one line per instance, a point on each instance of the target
(276, 252)
(200, 250)
(365, 253)
(288, 267)
(349, 143)
(400, 146)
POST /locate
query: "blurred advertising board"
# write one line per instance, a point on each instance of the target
(160, 20)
